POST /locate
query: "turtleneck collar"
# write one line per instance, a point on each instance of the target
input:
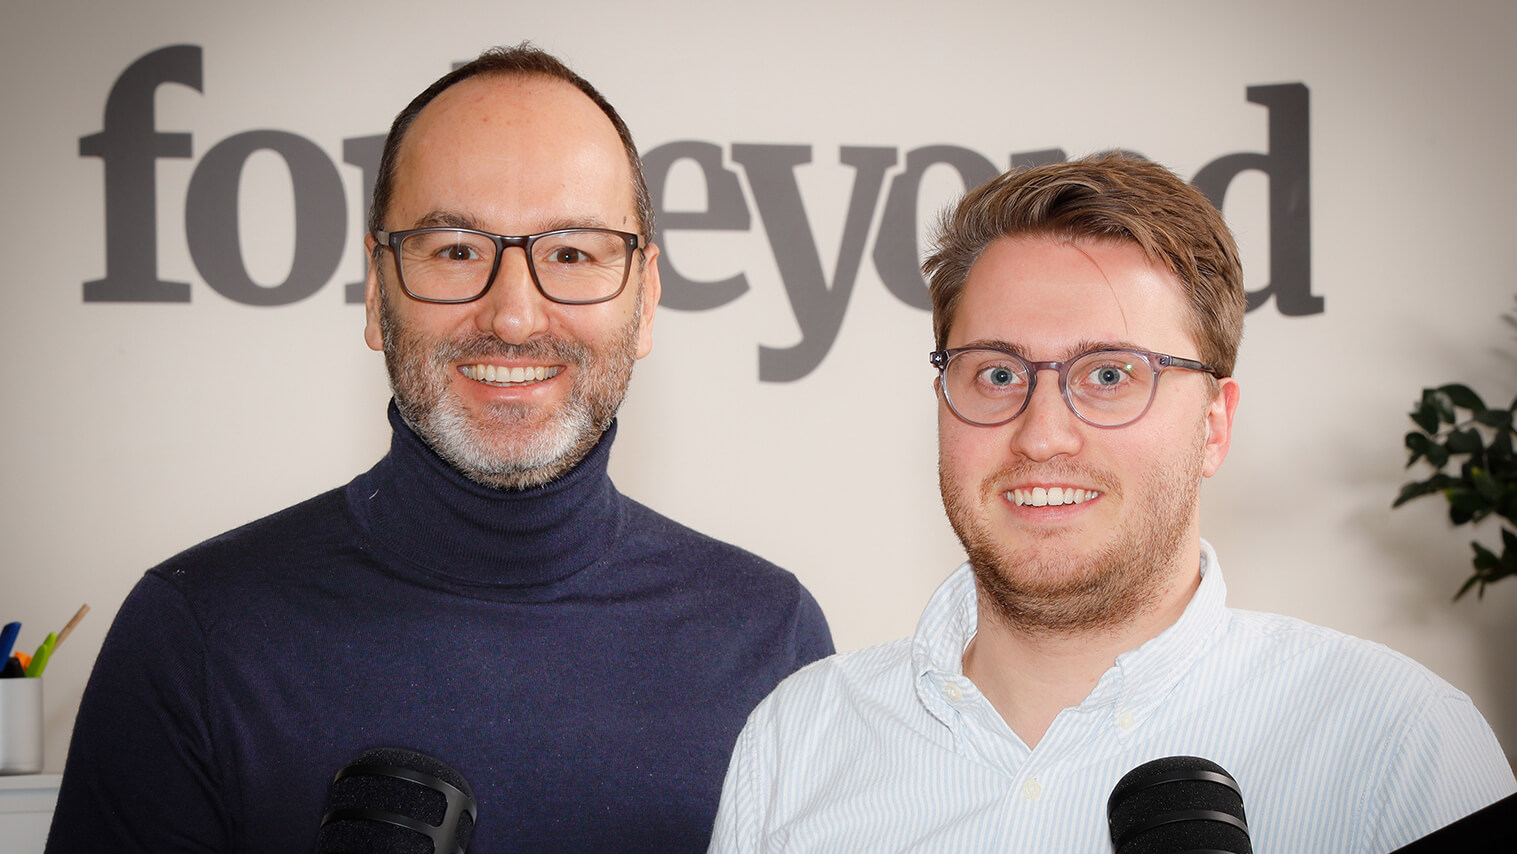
(417, 506)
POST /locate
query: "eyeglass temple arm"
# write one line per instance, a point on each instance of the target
(1188, 364)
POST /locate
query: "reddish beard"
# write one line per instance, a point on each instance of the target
(1035, 586)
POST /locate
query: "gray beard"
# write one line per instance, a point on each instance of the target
(419, 376)
(1041, 594)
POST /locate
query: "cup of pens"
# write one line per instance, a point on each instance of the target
(20, 726)
(21, 698)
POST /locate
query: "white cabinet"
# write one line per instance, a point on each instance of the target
(26, 811)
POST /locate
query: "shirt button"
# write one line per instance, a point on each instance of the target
(952, 692)
(1032, 789)
(1125, 721)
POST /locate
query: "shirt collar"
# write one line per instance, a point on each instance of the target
(1137, 682)
(1141, 678)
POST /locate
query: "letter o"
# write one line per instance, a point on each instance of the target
(896, 254)
(210, 213)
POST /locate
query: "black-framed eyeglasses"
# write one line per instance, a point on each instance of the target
(574, 266)
(989, 386)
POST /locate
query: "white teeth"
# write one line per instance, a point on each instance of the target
(1052, 496)
(504, 375)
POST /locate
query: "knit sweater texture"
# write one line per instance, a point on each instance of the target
(584, 662)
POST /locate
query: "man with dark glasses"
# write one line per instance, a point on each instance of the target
(484, 595)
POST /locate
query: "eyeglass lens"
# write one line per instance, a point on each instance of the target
(1108, 388)
(572, 266)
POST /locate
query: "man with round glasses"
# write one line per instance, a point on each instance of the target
(484, 595)
(1087, 318)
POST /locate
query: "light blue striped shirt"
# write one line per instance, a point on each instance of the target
(1339, 744)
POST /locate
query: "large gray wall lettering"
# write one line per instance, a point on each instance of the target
(129, 145)
(320, 218)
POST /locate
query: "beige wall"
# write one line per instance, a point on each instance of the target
(135, 430)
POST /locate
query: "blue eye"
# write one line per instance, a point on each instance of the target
(1110, 375)
(999, 376)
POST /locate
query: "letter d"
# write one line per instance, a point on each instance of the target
(1288, 165)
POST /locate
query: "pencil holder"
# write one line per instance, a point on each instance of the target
(20, 726)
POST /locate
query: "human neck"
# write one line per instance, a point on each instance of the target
(1030, 675)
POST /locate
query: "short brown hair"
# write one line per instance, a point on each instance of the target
(524, 59)
(1115, 196)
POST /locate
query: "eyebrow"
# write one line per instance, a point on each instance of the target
(1085, 345)
(453, 219)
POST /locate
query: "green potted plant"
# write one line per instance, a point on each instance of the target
(1470, 448)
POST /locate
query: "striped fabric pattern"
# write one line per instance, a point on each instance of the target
(1339, 744)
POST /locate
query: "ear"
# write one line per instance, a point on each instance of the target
(652, 290)
(371, 297)
(1219, 425)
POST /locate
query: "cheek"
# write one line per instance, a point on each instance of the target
(966, 452)
(1167, 459)
(949, 437)
(596, 325)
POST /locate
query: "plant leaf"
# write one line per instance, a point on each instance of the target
(1464, 442)
(1415, 490)
(1501, 446)
(1426, 417)
(1465, 588)
(1494, 418)
(1417, 444)
(1437, 455)
(1463, 397)
(1442, 404)
(1485, 559)
(1487, 486)
(1465, 505)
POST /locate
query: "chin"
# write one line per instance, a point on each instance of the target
(510, 445)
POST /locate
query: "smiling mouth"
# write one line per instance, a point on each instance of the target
(502, 376)
(1052, 496)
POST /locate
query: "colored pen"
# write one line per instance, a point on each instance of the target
(83, 609)
(40, 657)
(13, 668)
(8, 639)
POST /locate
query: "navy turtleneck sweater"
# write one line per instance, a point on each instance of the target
(585, 663)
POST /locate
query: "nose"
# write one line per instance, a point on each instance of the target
(512, 309)
(1046, 428)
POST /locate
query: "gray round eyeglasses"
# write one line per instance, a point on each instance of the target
(573, 266)
(989, 386)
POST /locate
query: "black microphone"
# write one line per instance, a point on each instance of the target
(394, 801)
(1491, 829)
(1177, 804)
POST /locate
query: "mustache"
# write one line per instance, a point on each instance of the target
(1024, 471)
(546, 348)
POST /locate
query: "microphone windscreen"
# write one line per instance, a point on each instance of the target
(1177, 803)
(394, 801)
